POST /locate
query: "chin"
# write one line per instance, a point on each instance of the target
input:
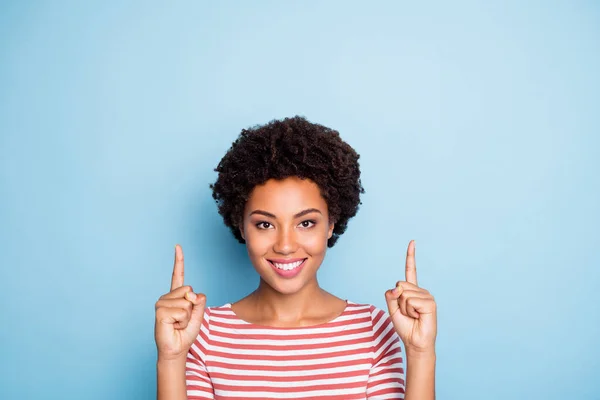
(286, 289)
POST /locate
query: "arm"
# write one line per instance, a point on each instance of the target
(178, 378)
(420, 376)
(170, 380)
(386, 379)
(179, 319)
(413, 312)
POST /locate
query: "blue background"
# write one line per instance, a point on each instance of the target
(477, 125)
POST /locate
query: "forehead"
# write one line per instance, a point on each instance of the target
(286, 196)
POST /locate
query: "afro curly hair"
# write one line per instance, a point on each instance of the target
(284, 148)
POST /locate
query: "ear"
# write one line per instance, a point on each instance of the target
(241, 228)
(330, 231)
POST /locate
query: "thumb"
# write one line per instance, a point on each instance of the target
(391, 298)
(199, 303)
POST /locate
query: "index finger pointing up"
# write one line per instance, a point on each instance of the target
(177, 278)
(411, 265)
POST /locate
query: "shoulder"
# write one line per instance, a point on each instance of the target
(216, 310)
(377, 319)
(377, 315)
(384, 339)
(218, 313)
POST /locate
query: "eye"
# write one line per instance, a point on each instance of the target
(307, 224)
(264, 225)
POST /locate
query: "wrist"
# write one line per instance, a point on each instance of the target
(171, 362)
(420, 354)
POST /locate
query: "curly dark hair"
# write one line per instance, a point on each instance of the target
(284, 148)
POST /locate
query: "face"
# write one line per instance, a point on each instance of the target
(286, 226)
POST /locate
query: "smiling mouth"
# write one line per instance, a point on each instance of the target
(288, 265)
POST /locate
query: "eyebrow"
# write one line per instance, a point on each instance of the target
(298, 215)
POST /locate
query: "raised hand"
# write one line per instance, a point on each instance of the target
(413, 309)
(179, 315)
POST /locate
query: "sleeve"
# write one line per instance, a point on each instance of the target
(198, 382)
(386, 378)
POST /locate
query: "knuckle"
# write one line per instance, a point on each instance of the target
(164, 296)
(181, 304)
(182, 324)
(179, 292)
(178, 313)
(185, 315)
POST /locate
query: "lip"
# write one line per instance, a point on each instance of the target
(287, 274)
(285, 260)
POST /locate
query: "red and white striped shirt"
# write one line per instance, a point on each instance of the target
(355, 356)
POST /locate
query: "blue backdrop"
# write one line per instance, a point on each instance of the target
(477, 125)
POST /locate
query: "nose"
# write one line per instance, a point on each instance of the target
(286, 241)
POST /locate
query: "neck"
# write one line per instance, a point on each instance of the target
(293, 307)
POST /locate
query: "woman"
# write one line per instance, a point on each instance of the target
(287, 190)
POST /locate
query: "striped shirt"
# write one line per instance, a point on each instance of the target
(354, 356)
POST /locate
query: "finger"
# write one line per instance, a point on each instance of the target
(403, 285)
(403, 301)
(422, 306)
(177, 278)
(411, 265)
(195, 298)
(402, 305)
(198, 313)
(395, 297)
(178, 304)
(178, 317)
(410, 309)
(391, 298)
(178, 293)
(175, 303)
(182, 324)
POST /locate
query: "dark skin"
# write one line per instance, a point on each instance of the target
(284, 220)
(325, 309)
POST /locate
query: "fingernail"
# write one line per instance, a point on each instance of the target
(190, 296)
(395, 291)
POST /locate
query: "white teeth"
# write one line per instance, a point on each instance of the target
(288, 266)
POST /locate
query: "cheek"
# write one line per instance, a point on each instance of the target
(257, 244)
(314, 243)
